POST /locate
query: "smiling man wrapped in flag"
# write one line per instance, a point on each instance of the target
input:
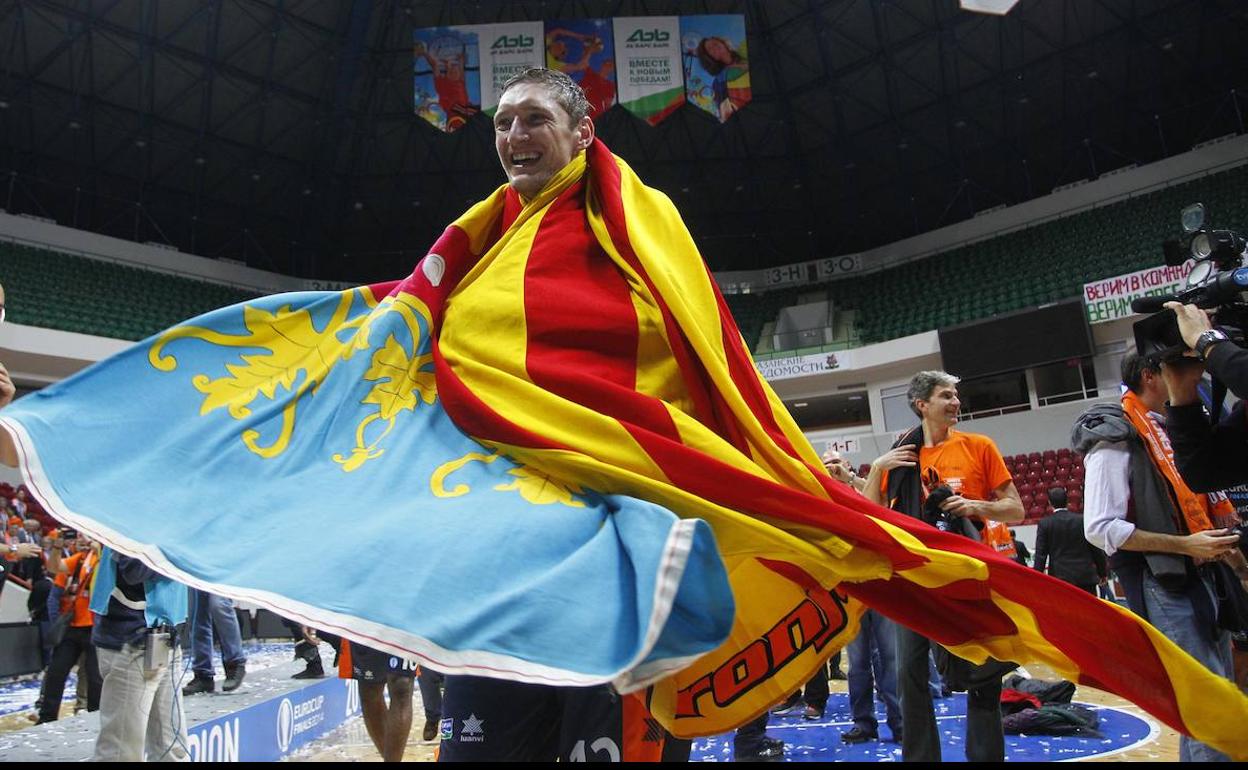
(555, 426)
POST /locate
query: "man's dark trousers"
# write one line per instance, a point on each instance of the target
(985, 738)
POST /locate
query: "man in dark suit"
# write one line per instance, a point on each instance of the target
(1061, 546)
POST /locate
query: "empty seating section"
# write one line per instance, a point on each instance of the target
(1035, 473)
(62, 291)
(1025, 268)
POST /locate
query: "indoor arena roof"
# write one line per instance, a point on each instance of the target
(281, 132)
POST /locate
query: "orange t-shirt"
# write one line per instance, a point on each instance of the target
(968, 463)
(85, 577)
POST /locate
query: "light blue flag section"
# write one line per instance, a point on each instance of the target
(292, 452)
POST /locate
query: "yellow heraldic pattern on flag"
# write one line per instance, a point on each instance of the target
(785, 575)
(535, 487)
(403, 378)
(295, 345)
(403, 381)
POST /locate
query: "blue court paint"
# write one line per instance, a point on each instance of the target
(820, 741)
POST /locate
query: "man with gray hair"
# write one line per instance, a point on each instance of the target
(957, 481)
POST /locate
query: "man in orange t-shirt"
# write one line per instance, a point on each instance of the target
(969, 469)
(72, 594)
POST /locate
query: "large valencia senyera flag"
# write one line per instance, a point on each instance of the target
(497, 445)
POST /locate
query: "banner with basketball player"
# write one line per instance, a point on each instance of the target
(716, 63)
(447, 76)
(649, 76)
(506, 50)
(584, 49)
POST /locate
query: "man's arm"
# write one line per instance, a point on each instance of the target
(1006, 507)
(1210, 544)
(1098, 559)
(1106, 492)
(133, 571)
(905, 456)
(1225, 360)
(1042, 548)
(8, 452)
(26, 550)
(56, 563)
(1209, 457)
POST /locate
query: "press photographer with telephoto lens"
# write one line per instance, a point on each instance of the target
(1202, 329)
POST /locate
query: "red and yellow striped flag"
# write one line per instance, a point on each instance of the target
(581, 334)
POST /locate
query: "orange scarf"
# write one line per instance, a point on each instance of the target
(1197, 508)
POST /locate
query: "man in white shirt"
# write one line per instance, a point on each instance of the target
(1130, 512)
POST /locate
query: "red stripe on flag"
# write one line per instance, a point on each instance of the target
(579, 317)
(474, 417)
(453, 248)
(580, 321)
(745, 376)
(606, 176)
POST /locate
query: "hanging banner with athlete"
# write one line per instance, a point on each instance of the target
(447, 76)
(506, 50)
(717, 66)
(649, 75)
(585, 50)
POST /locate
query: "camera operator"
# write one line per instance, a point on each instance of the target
(1209, 457)
(1159, 534)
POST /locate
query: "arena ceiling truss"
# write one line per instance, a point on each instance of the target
(281, 132)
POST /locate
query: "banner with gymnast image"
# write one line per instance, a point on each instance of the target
(648, 69)
(584, 49)
(716, 63)
(447, 70)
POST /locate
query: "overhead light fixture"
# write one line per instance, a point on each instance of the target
(994, 7)
(855, 398)
(800, 404)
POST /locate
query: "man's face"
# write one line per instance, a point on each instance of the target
(535, 137)
(941, 407)
(1153, 391)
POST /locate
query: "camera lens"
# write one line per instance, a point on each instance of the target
(1201, 248)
